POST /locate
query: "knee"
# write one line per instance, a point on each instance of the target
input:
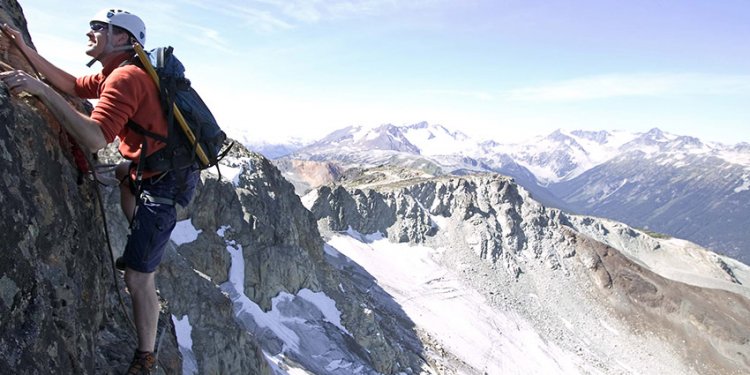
(137, 281)
(122, 171)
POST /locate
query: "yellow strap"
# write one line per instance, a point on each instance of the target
(177, 114)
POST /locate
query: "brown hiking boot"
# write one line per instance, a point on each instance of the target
(143, 363)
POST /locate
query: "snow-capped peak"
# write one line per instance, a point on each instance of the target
(563, 155)
(434, 139)
(600, 137)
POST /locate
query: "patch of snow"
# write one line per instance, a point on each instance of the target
(590, 154)
(338, 364)
(330, 251)
(439, 221)
(203, 275)
(494, 341)
(435, 140)
(309, 199)
(283, 320)
(607, 195)
(363, 133)
(544, 174)
(184, 232)
(745, 185)
(680, 164)
(734, 157)
(609, 328)
(568, 325)
(222, 230)
(235, 287)
(627, 367)
(367, 238)
(650, 150)
(599, 153)
(326, 305)
(231, 169)
(279, 367)
(183, 331)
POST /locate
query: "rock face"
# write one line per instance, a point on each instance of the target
(55, 278)
(680, 303)
(54, 273)
(308, 174)
(283, 255)
(488, 212)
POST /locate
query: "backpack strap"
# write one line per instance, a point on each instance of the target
(140, 165)
(142, 131)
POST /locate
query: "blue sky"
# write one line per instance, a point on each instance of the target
(505, 70)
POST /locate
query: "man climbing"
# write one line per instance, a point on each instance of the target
(126, 95)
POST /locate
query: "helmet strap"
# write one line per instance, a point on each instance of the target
(109, 47)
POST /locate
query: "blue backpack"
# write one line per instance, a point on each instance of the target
(206, 146)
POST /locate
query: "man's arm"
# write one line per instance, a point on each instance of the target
(85, 130)
(59, 78)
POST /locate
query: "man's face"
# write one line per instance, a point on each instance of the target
(97, 39)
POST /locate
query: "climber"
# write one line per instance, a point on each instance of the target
(126, 93)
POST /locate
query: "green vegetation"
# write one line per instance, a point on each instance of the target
(655, 234)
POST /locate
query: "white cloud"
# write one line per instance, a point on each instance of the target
(311, 11)
(206, 37)
(479, 95)
(254, 15)
(259, 19)
(275, 15)
(620, 85)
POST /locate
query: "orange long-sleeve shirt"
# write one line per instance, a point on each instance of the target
(125, 93)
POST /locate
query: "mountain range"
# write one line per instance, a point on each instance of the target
(666, 183)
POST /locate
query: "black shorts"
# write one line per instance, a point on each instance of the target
(153, 222)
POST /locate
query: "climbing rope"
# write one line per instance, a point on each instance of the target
(97, 188)
(100, 202)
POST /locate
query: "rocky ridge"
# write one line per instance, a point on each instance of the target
(561, 271)
(666, 196)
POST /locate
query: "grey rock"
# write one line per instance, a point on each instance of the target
(487, 223)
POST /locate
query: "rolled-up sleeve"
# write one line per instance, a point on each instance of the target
(87, 87)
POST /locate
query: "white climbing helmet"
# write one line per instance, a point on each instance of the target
(124, 20)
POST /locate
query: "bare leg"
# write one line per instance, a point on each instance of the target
(145, 307)
(141, 285)
(127, 199)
